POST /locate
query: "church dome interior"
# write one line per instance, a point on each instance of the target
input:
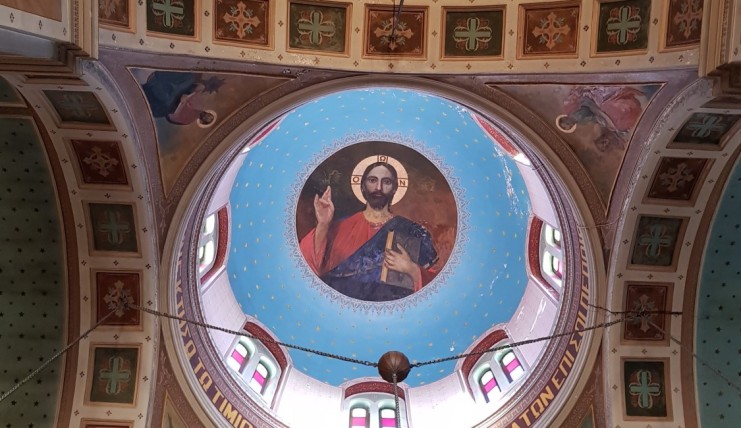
(223, 213)
(266, 194)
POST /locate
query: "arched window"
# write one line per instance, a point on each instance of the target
(511, 366)
(387, 418)
(260, 377)
(371, 404)
(207, 244)
(494, 374)
(359, 417)
(551, 256)
(212, 246)
(489, 385)
(255, 365)
(552, 267)
(237, 360)
(552, 236)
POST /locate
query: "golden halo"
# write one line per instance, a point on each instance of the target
(558, 125)
(207, 125)
(357, 176)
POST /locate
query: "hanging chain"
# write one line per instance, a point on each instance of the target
(395, 21)
(639, 314)
(418, 364)
(55, 356)
(700, 360)
(644, 315)
(396, 402)
(251, 336)
(520, 343)
(629, 316)
(370, 363)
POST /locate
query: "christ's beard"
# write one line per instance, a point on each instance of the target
(378, 200)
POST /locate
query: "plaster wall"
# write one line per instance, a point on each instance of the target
(529, 324)
(293, 407)
(224, 188)
(221, 309)
(449, 403)
(57, 26)
(540, 202)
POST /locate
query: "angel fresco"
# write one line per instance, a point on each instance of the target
(179, 97)
(614, 109)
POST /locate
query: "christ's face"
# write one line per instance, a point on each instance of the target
(379, 187)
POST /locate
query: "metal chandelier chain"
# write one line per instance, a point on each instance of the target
(396, 402)
(55, 356)
(630, 315)
(522, 342)
(643, 314)
(375, 364)
(252, 336)
(700, 360)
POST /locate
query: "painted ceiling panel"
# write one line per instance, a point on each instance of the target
(174, 98)
(719, 314)
(597, 121)
(31, 277)
(455, 36)
(46, 8)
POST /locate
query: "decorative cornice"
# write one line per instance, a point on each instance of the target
(679, 107)
(490, 340)
(373, 386)
(267, 340)
(714, 43)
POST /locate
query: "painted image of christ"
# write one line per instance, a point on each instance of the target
(370, 251)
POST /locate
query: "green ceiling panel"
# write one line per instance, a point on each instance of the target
(31, 277)
(718, 341)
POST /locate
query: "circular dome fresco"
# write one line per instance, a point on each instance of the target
(332, 249)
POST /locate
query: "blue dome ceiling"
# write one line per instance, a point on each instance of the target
(480, 285)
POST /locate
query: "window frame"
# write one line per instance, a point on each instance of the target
(487, 394)
(208, 236)
(367, 418)
(551, 256)
(266, 377)
(492, 362)
(545, 249)
(382, 419)
(250, 352)
(259, 356)
(218, 239)
(374, 396)
(505, 368)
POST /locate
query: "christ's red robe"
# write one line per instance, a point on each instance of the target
(344, 238)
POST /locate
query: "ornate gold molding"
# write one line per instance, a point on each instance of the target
(717, 24)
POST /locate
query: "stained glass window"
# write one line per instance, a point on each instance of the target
(511, 366)
(259, 378)
(388, 418)
(489, 385)
(359, 417)
(207, 244)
